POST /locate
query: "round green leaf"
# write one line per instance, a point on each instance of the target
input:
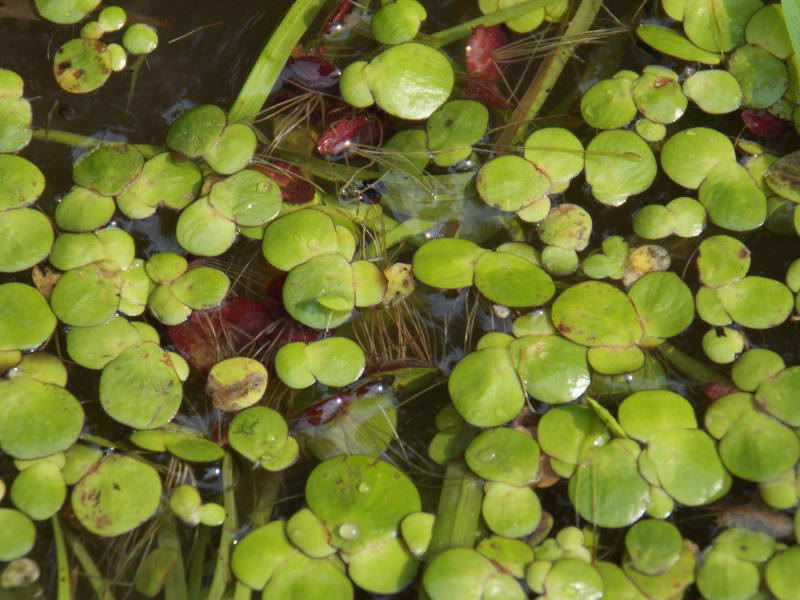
(27, 238)
(608, 104)
(593, 314)
(81, 66)
(117, 496)
(757, 302)
(108, 168)
(360, 499)
(715, 91)
(510, 511)
(505, 455)
(447, 263)
(236, 383)
(509, 280)
(21, 182)
(688, 466)
(37, 419)
(140, 387)
(410, 81)
(607, 489)
(485, 388)
(758, 448)
(690, 155)
(511, 183)
(19, 534)
(619, 164)
(298, 236)
(664, 304)
(320, 292)
(249, 198)
(335, 361)
(762, 77)
(552, 369)
(26, 320)
(203, 231)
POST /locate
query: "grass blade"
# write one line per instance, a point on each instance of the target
(791, 14)
(273, 57)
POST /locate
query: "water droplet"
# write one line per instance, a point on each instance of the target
(487, 455)
(363, 488)
(348, 531)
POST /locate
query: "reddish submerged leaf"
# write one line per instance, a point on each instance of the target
(337, 139)
(763, 123)
(482, 44)
(484, 90)
(312, 72)
(294, 189)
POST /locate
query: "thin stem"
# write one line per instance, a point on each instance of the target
(242, 592)
(197, 559)
(269, 484)
(77, 140)
(273, 57)
(545, 79)
(222, 568)
(452, 34)
(101, 589)
(692, 368)
(175, 587)
(459, 510)
(325, 169)
(64, 589)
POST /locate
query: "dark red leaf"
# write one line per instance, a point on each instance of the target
(763, 123)
(484, 90)
(294, 189)
(338, 15)
(482, 44)
(365, 129)
(715, 391)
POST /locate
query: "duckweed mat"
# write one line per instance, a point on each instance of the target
(323, 299)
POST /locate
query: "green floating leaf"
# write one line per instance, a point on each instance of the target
(117, 496)
(593, 314)
(485, 388)
(718, 26)
(511, 183)
(512, 281)
(236, 383)
(552, 369)
(619, 164)
(360, 499)
(140, 388)
(37, 419)
(690, 155)
(21, 182)
(387, 76)
(19, 534)
(81, 66)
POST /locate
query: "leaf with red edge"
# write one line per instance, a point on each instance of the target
(483, 42)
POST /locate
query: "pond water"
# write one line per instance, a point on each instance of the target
(206, 51)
